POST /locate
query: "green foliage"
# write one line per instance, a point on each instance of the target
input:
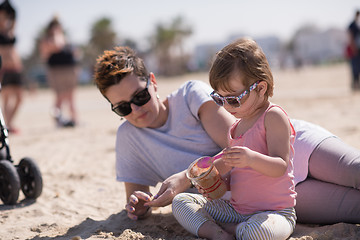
(167, 42)
(102, 35)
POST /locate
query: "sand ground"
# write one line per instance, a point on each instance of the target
(82, 200)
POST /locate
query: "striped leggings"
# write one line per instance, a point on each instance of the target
(193, 210)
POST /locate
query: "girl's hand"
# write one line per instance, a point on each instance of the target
(237, 156)
(240, 157)
(202, 192)
(226, 178)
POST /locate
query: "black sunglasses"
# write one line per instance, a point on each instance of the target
(139, 99)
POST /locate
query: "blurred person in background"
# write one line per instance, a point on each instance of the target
(11, 71)
(353, 50)
(62, 71)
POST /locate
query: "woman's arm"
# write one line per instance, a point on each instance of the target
(173, 185)
(216, 122)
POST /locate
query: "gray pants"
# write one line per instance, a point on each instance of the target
(193, 210)
(331, 192)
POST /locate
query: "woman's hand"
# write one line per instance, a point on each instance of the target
(173, 185)
(135, 207)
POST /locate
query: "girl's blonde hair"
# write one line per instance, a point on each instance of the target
(245, 57)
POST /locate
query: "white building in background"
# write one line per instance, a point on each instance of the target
(205, 53)
(309, 47)
(320, 47)
(273, 48)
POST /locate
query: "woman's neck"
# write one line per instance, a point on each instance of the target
(163, 114)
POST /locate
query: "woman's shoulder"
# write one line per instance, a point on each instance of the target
(194, 87)
(127, 134)
(194, 84)
(125, 128)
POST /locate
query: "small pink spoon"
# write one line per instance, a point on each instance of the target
(205, 162)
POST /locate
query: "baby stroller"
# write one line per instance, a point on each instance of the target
(26, 175)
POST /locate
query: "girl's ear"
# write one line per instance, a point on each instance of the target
(262, 87)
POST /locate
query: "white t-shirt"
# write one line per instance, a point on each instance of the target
(308, 136)
(150, 155)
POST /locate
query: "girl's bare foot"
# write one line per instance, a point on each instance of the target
(210, 230)
(229, 227)
(222, 234)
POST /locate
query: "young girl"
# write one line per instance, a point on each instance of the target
(258, 161)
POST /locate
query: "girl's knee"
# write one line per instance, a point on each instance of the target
(181, 200)
(181, 197)
(264, 226)
(253, 231)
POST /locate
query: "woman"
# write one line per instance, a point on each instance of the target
(11, 78)
(161, 138)
(62, 71)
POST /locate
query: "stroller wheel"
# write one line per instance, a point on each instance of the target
(9, 182)
(3, 154)
(30, 178)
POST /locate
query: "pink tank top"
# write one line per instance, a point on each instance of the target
(250, 190)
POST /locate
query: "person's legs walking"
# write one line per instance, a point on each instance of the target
(71, 104)
(12, 99)
(355, 67)
(17, 96)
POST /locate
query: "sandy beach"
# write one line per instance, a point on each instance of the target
(81, 198)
